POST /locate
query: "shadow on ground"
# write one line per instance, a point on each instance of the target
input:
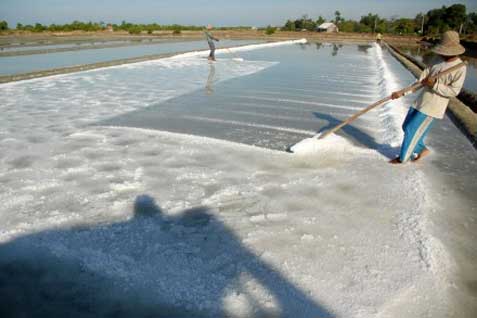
(188, 265)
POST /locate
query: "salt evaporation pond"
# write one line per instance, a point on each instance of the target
(29, 47)
(10, 65)
(48, 45)
(163, 187)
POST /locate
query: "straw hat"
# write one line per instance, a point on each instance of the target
(449, 45)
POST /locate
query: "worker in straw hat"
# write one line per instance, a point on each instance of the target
(379, 37)
(210, 40)
(433, 99)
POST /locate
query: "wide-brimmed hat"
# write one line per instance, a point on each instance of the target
(449, 45)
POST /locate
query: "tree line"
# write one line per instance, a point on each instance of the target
(101, 26)
(433, 22)
(132, 28)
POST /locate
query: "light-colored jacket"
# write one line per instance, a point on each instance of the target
(434, 101)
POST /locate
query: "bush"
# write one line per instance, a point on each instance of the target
(289, 26)
(3, 26)
(270, 30)
(176, 31)
(134, 30)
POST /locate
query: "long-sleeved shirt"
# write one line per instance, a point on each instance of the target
(210, 38)
(434, 101)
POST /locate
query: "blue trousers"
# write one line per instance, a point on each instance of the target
(415, 127)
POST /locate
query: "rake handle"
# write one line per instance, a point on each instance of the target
(404, 91)
(231, 52)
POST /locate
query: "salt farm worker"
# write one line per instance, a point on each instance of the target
(433, 99)
(379, 37)
(210, 39)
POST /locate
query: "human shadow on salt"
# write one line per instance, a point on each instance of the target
(153, 265)
(358, 135)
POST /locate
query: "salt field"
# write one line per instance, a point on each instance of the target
(164, 187)
(10, 65)
(17, 47)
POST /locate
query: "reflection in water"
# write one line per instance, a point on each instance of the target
(209, 89)
(336, 48)
(364, 48)
(304, 46)
(39, 62)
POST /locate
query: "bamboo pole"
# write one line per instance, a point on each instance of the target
(407, 90)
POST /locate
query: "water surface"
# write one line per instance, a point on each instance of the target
(31, 63)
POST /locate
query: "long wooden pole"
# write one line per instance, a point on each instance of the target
(403, 91)
(236, 57)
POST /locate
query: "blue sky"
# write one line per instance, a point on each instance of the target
(201, 12)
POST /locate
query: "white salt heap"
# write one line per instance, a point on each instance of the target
(331, 144)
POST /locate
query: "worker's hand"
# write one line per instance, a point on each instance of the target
(396, 95)
(429, 82)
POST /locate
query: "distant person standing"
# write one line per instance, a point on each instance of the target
(210, 40)
(434, 98)
(379, 37)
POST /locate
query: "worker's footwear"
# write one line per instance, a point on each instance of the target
(424, 152)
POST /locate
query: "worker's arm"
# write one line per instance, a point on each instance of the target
(423, 77)
(452, 89)
(209, 36)
(424, 74)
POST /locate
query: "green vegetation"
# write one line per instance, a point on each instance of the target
(432, 23)
(150, 28)
(74, 26)
(269, 30)
(304, 23)
(101, 26)
(3, 26)
(131, 28)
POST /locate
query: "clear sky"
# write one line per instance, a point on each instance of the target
(202, 12)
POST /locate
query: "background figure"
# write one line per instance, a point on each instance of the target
(379, 37)
(210, 40)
